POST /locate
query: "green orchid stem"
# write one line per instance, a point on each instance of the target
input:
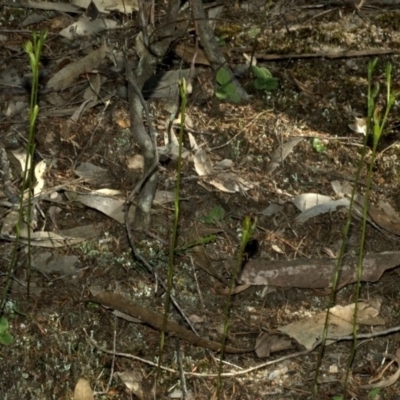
(33, 49)
(172, 247)
(375, 127)
(248, 229)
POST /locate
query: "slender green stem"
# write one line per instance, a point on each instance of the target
(247, 232)
(176, 221)
(375, 127)
(33, 49)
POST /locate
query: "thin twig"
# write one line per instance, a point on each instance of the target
(257, 367)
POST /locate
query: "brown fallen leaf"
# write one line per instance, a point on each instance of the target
(83, 391)
(316, 273)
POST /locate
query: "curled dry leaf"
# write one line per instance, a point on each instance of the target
(359, 125)
(281, 153)
(202, 163)
(133, 381)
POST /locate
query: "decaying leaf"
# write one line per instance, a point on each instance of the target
(114, 207)
(18, 159)
(40, 170)
(316, 273)
(106, 6)
(66, 237)
(384, 215)
(93, 174)
(93, 90)
(189, 53)
(86, 27)
(230, 182)
(55, 263)
(359, 125)
(281, 153)
(313, 204)
(66, 77)
(166, 84)
(267, 343)
(133, 381)
(225, 181)
(83, 391)
(308, 330)
(202, 163)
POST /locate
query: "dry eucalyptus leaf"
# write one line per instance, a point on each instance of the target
(40, 170)
(50, 263)
(229, 182)
(359, 125)
(224, 164)
(93, 174)
(110, 206)
(18, 160)
(106, 6)
(281, 153)
(390, 212)
(202, 163)
(268, 343)
(83, 391)
(133, 381)
(86, 27)
(66, 77)
(92, 91)
(308, 330)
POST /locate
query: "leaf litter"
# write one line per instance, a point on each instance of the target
(268, 162)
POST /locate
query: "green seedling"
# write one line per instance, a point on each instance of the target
(264, 79)
(318, 146)
(217, 214)
(5, 336)
(226, 89)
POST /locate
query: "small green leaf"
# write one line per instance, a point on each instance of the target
(230, 88)
(223, 77)
(261, 72)
(259, 84)
(221, 95)
(271, 84)
(6, 339)
(318, 146)
(235, 97)
(3, 324)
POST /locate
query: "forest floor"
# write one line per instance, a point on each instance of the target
(322, 53)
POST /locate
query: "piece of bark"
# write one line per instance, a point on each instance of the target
(316, 273)
(153, 47)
